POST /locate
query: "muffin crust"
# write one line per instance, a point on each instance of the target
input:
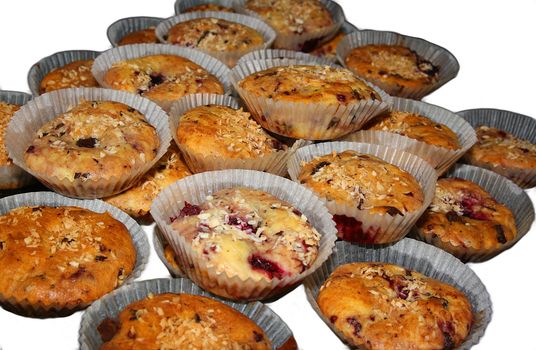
(144, 36)
(74, 74)
(6, 112)
(209, 7)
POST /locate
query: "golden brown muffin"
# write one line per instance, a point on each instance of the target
(170, 256)
(416, 127)
(144, 36)
(183, 321)
(392, 67)
(64, 257)
(95, 140)
(250, 234)
(388, 307)
(137, 200)
(6, 112)
(209, 7)
(464, 215)
(329, 48)
(74, 74)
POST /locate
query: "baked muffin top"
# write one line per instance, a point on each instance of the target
(309, 84)
(214, 34)
(6, 112)
(222, 131)
(329, 48)
(66, 256)
(209, 7)
(417, 127)
(249, 233)
(74, 74)
(384, 306)
(292, 17)
(182, 321)
(94, 140)
(144, 36)
(364, 182)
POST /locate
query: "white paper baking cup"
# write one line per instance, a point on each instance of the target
(437, 55)
(160, 243)
(139, 239)
(270, 54)
(228, 57)
(212, 65)
(380, 229)
(47, 64)
(440, 158)
(519, 125)
(314, 121)
(194, 189)
(181, 6)
(417, 256)
(32, 116)
(120, 28)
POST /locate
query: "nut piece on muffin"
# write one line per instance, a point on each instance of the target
(144, 36)
(383, 306)
(74, 74)
(209, 7)
(6, 112)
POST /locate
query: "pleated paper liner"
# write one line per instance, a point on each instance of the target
(194, 189)
(275, 163)
(379, 229)
(160, 246)
(305, 120)
(139, 239)
(303, 41)
(120, 28)
(417, 256)
(122, 53)
(440, 158)
(228, 57)
(11, 176)
(437, 55)
(182, 6)
(505, 192)
(270, 54)
(519, 125)
(32, 116)
(47, 64)
(110, 306)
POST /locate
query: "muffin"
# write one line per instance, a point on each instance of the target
(328, 49)
(62, 258)
(171, 258)
(181, 321)
(384, 306)
(209, 7)
(142, 36)
(6, 112)
(73, 74)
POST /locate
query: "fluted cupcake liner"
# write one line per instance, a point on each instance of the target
(198, 162)
(228, 57)
(47, 64)
(31, 117)
(311, 120)
(270, 54)
(120, 28)
(108, 58)
(437, 55)
(440, 158)
(181, 6)
(503, 191)
(380, 228)
(139, 239)
(160, 243)
(519, 125)
(417, 256)
(194, 189)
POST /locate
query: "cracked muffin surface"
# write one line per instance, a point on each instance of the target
(74, 74)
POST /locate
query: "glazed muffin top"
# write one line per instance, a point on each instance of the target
(364, 182)
(222, 131)
(384, 306)
(214, 34)
(329, 48)
(74, 74)
(417, 127)
(94, 140)
(209, 7)
(6, 112)
(292, 17)
(144, 36)
(250, 234)
(182, 321)
(309, 84)
(66, 256)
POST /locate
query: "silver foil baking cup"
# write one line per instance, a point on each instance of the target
(107, 59)
(198, 162)
(139, 239)
(194, 189)
(182, 6)
(47, 64)
(381, 228)
(417, 256)
(120, 28)
(437, 55)
(228, 57)
(503, 191)
(31, 117)
(308, 121)
(160, 243)
(270, 54)
(519, 125)
(440, 158)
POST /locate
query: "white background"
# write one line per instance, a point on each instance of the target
(493, 41)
